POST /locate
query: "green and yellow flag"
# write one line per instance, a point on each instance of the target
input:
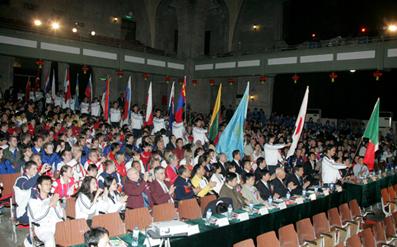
(214, 123)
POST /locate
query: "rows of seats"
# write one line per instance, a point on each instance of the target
(342, 226)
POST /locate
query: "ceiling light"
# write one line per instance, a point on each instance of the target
(93, 33)
(352, 70)
(37, 22)
(74, 30)
(55, 25)
(392, 28)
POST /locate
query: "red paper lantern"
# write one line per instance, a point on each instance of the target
(120, 73)
(167, 79)
(263, 79)
(194, 82)
(40, 63)
(145, 76)
(212, 82)
(85, 69)
(295, 78)
(377, 74)
(231, 81)
(333, 76)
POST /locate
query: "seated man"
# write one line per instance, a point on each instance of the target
(183, 186)
(137, 190)
(44, 212)
(229, 190)
(161, 190)
(263, 185)
(23, 189)
(110, 171)
(360, 169)
(280, 188)
(297, 179)
(97, 237)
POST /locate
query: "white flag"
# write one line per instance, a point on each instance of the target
(300, 122)
(149, 116)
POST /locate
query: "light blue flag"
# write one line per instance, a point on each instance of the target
(232, 138)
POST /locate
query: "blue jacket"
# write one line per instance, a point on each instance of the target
(6, 167)
(104, 175)
(53, 160)
(183, 189)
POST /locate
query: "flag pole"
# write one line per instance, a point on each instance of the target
(184, 85)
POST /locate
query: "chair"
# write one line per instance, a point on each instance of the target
(353, 241)
(368, 238)
(112, 222)
(287, 236)
(8, 181)
(347, 218)
(323, 229)
(205, 200)
(385, 200)
(245, 243)
(267, 239)
(380, 234)
(392, 198)
(336, 223)
(306, 233)
(70, 208)
(390, 227)
(139, 217)
(189, 209)
(164, 212)
(70, 232)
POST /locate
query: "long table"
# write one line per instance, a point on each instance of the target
(368, 193)
(257, 224)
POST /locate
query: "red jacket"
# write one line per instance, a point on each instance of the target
(159, 196)
(134, 192)
(171, 173)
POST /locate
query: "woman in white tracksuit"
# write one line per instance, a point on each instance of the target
(87, 198)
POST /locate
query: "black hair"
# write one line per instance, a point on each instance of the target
(29, 164)
(230, 176)
(297, 167)
(43, 178)
(92, 237)
(85, 188)
(92, 167)
(235, 152)
(181, 170)
(259, 160)
(64, 168)
(248, 176)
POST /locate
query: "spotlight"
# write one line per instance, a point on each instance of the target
(392, 28)
(93, 33)
(74, 30)
(255, 27)
(313, 35)
(55, 25)
(37, 22)
(352, 70)
(363, 29)
(115, 20)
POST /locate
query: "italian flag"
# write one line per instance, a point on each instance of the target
(214, 123)
(372, 133)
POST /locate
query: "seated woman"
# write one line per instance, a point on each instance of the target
(87, 198)
(249, 191)
(200, 182)
(111, 201)
(217, 177)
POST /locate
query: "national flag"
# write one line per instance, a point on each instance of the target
(149, 107)
(88, 89)
(214, 123)
(47, 85)
(106, 100)
(67, 86)
(372, 133)
(77, 94)
(181, 103)
(171, 106)
(53, 89)
(232, 138)
(300, 122)
(127, 101)
(27, 89)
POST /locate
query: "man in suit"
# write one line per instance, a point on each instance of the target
(297, 179)
(263, 184)
(229, 190)
(222, 159)
(279, 187)
(183, 187)
(237, 161)
(311, 168)
(261, 167)
(160, 189)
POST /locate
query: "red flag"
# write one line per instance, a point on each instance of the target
(107, 100)
(68, 90)
(181, 103)
(27, 90)
(88, 89)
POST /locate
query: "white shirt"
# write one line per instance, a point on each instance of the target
(158, 124)
(58, 101)
(330, 170)
(85, 209)
(136, 120)
(110, 205)
(272, 155)
(199, 134)
(178, 130)
(115, 115)
(95, 109)
(219, 180)
(84, 108)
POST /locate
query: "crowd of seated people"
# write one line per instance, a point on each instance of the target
(113, 166)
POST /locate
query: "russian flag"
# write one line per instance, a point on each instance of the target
(88, 89)
(171, 106)
(127, 101)
(181, 103)
(149, 108)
